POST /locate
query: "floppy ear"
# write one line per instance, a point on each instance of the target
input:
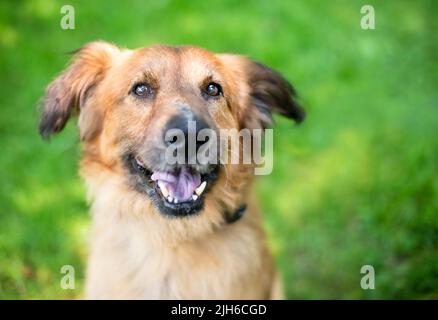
(68, 93)
(264, 91)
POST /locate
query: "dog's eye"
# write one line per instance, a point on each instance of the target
(142, 90)
(213, 89)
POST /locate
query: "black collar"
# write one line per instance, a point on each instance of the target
(236, 215)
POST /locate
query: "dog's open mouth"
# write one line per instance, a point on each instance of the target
(180, 192)
(181, 186)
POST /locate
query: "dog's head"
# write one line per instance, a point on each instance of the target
(128, 100)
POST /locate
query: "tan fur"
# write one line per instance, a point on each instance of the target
(137, 253)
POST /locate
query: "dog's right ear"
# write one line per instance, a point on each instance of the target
(68, 93)
(263, 91)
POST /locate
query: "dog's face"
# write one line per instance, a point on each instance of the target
(128, 100)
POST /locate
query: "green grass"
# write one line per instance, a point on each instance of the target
(356, 184)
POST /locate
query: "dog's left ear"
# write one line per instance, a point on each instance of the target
(264, 91)
(69, 92)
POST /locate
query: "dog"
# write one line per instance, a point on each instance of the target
(199, 244)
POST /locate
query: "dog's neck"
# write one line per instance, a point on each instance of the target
(236, 215)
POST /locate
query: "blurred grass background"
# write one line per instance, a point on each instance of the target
(356, 184)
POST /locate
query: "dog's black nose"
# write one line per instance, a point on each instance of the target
(186, 127)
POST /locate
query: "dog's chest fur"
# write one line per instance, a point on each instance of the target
(137, 257)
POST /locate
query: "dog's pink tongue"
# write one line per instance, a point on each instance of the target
(180, 185)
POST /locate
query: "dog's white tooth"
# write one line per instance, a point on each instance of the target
(163, 189)
(194, 197)
(175, 200)
(170, 199)
(199, 190)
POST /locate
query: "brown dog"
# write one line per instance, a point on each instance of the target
(143, 245)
